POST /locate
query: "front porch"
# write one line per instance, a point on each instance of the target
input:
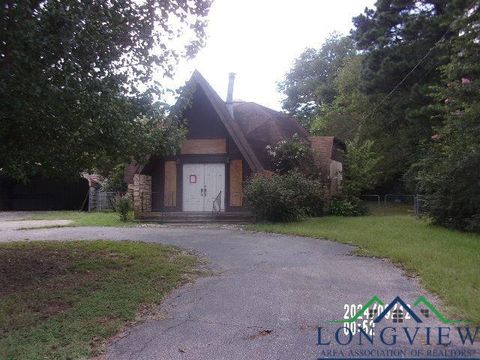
(147, 206)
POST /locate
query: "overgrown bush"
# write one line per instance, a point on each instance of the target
(361, 171)
(284, 197)
(123, 207)
(360, 175)
(347, 206)
(294, 154)
(448, 178)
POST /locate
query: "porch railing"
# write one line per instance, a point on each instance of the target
(217, 204)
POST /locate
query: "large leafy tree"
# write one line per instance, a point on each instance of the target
(76, 80)
(379, 86)
(449, 172)
(344, 116)
(309, 85)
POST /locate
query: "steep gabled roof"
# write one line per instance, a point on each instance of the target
(230, 124)
(252, 127)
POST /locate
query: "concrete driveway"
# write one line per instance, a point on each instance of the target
(268, 295)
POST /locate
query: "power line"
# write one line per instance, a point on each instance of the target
(417, 65)
(408, 74)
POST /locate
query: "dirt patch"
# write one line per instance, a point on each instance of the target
(32, 224)
(55, 307)
(20, 269)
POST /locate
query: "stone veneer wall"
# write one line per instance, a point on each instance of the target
(142, 194)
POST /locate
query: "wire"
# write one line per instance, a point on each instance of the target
(416, 66)
(408, 74)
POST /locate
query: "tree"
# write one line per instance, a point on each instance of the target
(360, 174)
(344, 117)
(76, 80)
(309, 84)
(401, 42)
(361, 171)
(449, 172)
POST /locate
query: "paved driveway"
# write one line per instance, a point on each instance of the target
(268, 294)
(15, 220)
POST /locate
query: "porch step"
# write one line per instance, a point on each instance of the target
(198, 217)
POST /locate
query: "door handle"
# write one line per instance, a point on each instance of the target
(201, 192)
(205, 191)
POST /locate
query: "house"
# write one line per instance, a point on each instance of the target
(225, 145)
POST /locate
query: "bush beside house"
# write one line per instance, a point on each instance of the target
(123, 207)
(287, 197)
(360, 175)
(297, 188)
(293, 190)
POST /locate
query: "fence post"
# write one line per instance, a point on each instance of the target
(417, 205)
(90, 198)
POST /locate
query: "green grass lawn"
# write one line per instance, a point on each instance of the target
(447, 262)
(82, 218)
(62, 300)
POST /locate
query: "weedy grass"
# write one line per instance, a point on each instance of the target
(446, 261)
(63, 300)
(82, 218)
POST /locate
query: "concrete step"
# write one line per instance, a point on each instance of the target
(199, 217)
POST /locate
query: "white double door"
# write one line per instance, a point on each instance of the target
(201, 185)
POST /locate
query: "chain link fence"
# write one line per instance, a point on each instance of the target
(388, 204)
(101, 200)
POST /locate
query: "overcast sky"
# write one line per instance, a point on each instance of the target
(259, 40)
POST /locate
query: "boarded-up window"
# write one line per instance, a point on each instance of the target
(236, 180)
(170, 194)
(204, 146)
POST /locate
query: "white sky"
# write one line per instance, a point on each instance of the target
(259, 40)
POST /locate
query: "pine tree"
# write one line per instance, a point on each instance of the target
(449, 173)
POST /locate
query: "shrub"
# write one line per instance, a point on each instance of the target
(293, 154)
(347, 206)
(447, 178)
(124, 206)
(284, 197)
(360, 175)
(360, 168)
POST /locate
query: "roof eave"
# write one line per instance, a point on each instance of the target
(229, 123)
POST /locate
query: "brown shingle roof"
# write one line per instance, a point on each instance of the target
(262, 126)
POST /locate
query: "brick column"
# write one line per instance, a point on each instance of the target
(142, 194)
